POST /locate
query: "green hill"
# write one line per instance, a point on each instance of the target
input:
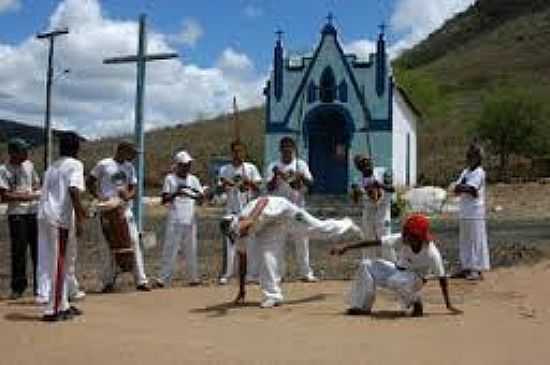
(493, 44)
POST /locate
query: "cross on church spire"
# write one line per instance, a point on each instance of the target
(279, 34)
(330, 17)
(382, 27)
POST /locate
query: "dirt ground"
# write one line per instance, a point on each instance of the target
(506, 321)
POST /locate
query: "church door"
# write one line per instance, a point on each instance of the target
(328, 152)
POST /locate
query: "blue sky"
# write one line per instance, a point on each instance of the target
(225, 47)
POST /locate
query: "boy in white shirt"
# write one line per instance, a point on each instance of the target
(181, 191)
(271, 219)
(60, 214)
(473, 247)
(375, 195)
(241, 182)
(290, 178)
(418, 257)
(114, 179)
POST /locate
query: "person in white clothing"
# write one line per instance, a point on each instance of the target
(241, 182)
(19, 188)
(419, 257)
(271, 219)
(60, 212)
(290, 178)
(114, 179)
(180, 193)
(473, 247)
(375, 196)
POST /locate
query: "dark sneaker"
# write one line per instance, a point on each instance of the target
(158, 284)
(358, 312)
(143, 287)
(15, 295)
(75, 311)
(51, 318)
(195, 283)
(108, 288)
(418, 309)
(66, 315)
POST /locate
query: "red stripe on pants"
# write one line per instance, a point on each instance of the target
(63, 236)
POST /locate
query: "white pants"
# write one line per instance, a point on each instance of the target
(179, 238)
(44, 261)
(473, 247)
(381, 273)
(58, 244)
(272, 239)
(109, 265)
(271, 244)
(231, 260)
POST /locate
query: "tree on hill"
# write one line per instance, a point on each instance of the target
(513, 123)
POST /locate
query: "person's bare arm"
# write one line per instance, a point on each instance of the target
(444, 284)
(242, 278)
(342, 249)
(91, 185)
(466, 189)
(80, 212)
(14, 196)
(128, 193)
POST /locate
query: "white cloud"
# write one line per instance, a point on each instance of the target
(418, 18)
(190, 33)
(97, 99)
(253, 11)
(362, 48)
(9, 5)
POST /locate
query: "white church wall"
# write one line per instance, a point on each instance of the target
(404, 126)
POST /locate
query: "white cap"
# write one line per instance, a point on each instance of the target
(182, 157)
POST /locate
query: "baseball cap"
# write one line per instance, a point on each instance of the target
(183, 157)
(17, 145)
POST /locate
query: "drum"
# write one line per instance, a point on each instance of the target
(117, 233)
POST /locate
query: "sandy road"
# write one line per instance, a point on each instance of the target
(506, 321)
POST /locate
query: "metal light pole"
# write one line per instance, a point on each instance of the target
(47, 122)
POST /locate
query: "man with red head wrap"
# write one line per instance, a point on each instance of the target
(418, 258)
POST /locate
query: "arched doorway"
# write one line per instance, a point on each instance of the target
(328, 131)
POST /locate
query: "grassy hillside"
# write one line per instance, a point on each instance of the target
(492, 45)
(203, 139)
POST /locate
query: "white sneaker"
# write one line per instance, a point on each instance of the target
(270, 303)
(310, 279)
(223, 281)
(79, 295)
(40, 300)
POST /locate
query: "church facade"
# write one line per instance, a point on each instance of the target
(335, 105)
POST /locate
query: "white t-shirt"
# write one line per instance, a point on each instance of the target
(237, 199)
(112, 176)
(20, 178)
(182, 208)
(427, 261)
(376, 216)
(55, 202)
(283, 189)
(470, 207)
(276, 213)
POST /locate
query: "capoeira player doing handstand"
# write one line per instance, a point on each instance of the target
(271, 219)
(419, 255)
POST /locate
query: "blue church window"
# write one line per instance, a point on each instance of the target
(311, 92)
(343, 91)
(327, 89)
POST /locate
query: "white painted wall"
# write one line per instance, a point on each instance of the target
(405, 123)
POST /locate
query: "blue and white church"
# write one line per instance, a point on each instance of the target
(336, 105)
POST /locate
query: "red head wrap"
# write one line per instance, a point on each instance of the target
(417, 226)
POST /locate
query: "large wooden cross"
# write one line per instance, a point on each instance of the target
(141, 60)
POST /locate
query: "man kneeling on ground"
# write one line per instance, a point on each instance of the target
(419, 255)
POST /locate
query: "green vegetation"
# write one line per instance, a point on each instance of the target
(495, 44)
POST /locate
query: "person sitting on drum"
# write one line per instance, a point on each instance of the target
(180, 192)
(112, 181)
